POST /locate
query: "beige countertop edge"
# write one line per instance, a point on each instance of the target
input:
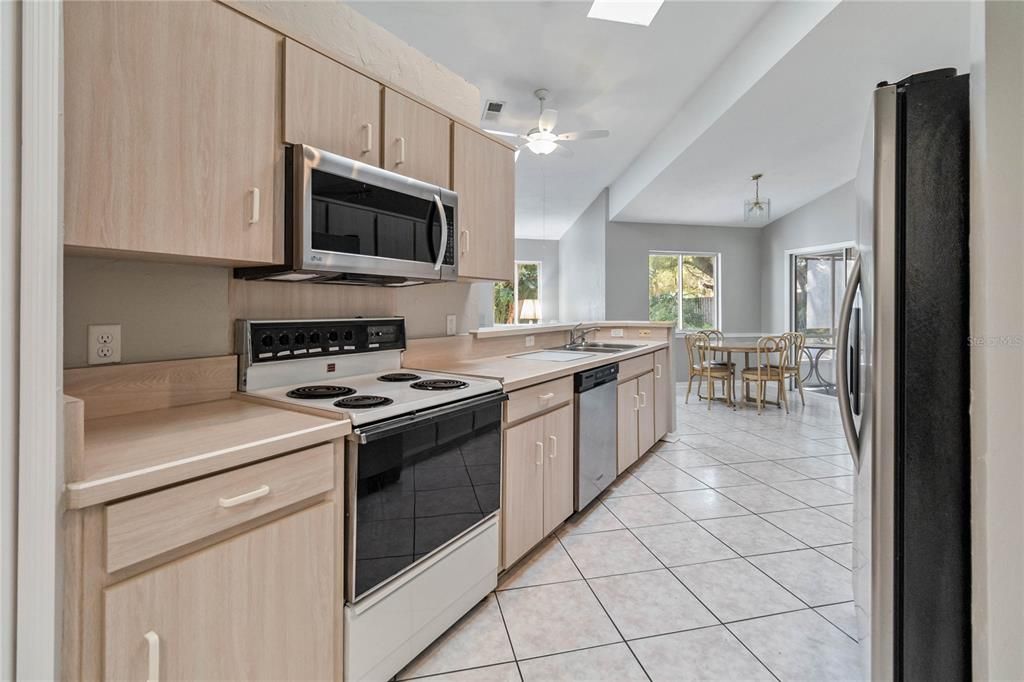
(526, 329)
(523, 373)
(89, 492)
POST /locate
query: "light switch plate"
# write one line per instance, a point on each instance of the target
(529, 341)
(104, 344)
(617, 333)
(645, 332)
(450, 325)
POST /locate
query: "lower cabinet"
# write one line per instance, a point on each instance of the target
(538, 480)
(636, 427)
(259, 606)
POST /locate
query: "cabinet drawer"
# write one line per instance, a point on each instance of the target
(536, 399)
(634, 367)
(146, 526)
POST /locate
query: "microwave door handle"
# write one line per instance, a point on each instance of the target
(444, 233)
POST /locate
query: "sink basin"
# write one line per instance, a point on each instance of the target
(599, 347)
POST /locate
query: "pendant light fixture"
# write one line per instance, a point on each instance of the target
(757, 210)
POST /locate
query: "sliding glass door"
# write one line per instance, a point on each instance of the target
(818, 284)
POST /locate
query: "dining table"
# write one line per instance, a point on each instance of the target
(746, 347)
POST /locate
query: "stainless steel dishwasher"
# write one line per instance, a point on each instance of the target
(596, 423)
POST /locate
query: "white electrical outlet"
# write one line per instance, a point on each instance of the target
(617, 333)
(645, 332)
(104, 344)
(529, 341)
(450, 326)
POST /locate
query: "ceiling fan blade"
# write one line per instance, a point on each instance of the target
(583, 135)
(548, 119)
(502, 133)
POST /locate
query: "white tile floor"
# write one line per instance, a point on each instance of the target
(723, 555)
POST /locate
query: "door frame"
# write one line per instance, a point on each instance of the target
(787, 274)
(40, 322)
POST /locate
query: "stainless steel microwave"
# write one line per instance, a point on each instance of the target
(347, 222)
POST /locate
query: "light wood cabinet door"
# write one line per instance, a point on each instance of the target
(484, 177)
(663, 387)
(330, 106)
(559, 472)
(260, 606)
(645, 415)
(522, 510)
(417, 140)
(171, 131)
(628, 407)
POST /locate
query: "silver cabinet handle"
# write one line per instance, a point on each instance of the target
(368, 140)
(153, 640)
(444, 232)
(546, 396)
(254, 207)
(842, 364)
(657, 371)
(636, 406)
(465, 241)
(540, 453)
(643, 398)
(554, 446)
(401, 152)
(262, 491)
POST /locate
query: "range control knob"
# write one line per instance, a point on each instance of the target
(349, 335)
(300, 338)
(314, 337)
(267, 340)
(332, 336)
(283, 340)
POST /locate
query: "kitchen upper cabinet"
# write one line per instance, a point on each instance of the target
(522, 511)
(663, 385)
(259, 606)
(417, 140)
(483, 175)
(645, 415)
(171, 131)
(330, 106)
(628, 439)
(559, 481)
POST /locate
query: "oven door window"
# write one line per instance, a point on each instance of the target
(420, 488)
(353, 217)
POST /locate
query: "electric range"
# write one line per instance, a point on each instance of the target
(422, 470)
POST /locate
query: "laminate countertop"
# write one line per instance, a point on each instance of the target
(134, 453)
(515, 373)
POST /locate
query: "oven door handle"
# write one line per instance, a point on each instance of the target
(390, 427)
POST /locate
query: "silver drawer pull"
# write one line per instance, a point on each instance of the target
(154, 656)
(546, 396)
(262, 491)
(540, 454)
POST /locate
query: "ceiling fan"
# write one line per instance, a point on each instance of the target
(542, 140)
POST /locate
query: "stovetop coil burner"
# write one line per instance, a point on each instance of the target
(439, 384)
(362, 402)
(320, 392)
(398, 376)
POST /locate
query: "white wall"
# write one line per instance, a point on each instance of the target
(997, 313)
(10, 137)
(544, 251)
(829, 219)
(581, 260)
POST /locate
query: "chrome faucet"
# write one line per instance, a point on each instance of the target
(581, 337)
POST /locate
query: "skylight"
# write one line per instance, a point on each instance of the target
(637, 12)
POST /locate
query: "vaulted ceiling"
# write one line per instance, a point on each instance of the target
(710, 93)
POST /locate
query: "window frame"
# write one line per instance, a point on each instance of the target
(717, 255)
(515, 293)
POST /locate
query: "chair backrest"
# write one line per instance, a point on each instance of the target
(716, 337)
(796, 341)
(771, 355)
(704, 349)
(691, 347)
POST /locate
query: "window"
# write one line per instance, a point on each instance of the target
(519, 302)
(684, 289)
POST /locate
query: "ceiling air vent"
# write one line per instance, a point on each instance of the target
(492, 110)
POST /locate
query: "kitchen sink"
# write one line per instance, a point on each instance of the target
(599, 347)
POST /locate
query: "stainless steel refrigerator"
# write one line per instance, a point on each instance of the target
(903, 382)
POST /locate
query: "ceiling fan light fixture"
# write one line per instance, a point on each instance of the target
(636, 12)
(757, 210)
(541, 142)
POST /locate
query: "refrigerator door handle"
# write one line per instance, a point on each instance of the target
(843, 364)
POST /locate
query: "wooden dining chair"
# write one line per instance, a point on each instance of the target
(712, 372)
(769, 368)
(717, 338)
(694, 362)
(794, 354)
